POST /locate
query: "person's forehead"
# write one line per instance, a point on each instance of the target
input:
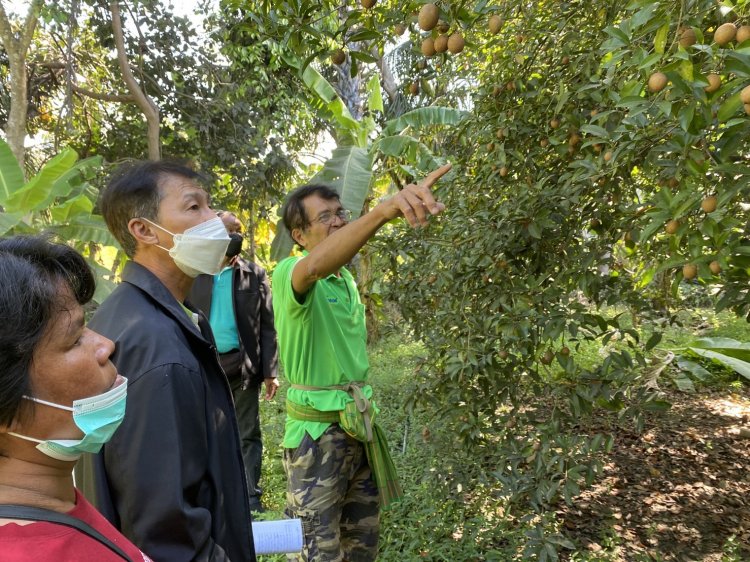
(316, 203)
(230, 221)
(180, 187)
(67, 318)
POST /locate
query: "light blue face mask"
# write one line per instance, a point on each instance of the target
(97, 416)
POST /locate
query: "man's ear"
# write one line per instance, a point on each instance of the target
(142, 231)
(298, 236)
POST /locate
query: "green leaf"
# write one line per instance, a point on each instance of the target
(617, 34)
(36, 191)
(717, 343)
(693, 368)
(729, 108)
(686, 117)
(64, 184)
(738, 365)
(396, 145)
(79, 205)
(319, 85)
(650, 61)
(686, 70)
(657, 406)
(644, 15)
(595, 130)
(657, 222)
(423, 117)
(375, 97)
(672, 262)
(683, 382)
(562, 98)
(534, 230)
(660, 39)
(348, 171)
(645, 278)
(653, 340)
(342, 115)
(89, 228)
(11, 175)
(728, 346)
(363, 35)
(104, 288)
(8, 221)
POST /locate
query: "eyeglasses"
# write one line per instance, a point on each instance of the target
(326, 217)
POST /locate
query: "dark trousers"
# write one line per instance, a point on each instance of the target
(246, 405)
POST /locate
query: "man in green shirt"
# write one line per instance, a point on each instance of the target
(337, 463)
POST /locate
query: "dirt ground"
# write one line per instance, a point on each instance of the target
(676, 492)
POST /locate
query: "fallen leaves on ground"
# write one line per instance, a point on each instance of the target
(676, 492)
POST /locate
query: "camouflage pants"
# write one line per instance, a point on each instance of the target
(331, 488)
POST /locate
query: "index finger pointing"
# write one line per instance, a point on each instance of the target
(435, 175)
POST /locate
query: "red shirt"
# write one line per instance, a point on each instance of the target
(50, 541)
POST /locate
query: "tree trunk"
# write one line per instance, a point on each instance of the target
(347, 87)
(388, 81)
(144, 102)
(17, 48)
(15, 130)
(252, 248)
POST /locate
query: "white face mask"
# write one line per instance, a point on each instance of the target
(199, 249)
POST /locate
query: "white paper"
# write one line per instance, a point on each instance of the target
(277, 537)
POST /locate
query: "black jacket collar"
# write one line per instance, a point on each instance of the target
(139, 276)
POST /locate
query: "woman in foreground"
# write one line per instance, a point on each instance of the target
(60, 396)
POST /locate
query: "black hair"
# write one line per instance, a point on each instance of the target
(133, 192)
(293, 213)
(32, 270)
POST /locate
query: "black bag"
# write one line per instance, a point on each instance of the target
(39, 514)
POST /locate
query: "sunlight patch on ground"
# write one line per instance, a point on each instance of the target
(733, 406)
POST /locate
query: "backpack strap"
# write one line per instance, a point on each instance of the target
(38, 514)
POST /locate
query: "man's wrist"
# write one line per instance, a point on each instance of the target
(382, 212)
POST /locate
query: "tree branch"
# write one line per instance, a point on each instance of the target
(32, 17)
(6, 35)
(120, 98)
(144, 102)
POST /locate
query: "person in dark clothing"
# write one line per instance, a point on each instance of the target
(237, 302)
(172, 478)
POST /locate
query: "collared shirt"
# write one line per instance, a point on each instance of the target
(222, 320)
(322, 342)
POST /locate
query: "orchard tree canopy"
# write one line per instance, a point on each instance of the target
(604, 163)
(221, 103)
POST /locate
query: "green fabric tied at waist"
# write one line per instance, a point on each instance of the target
(358, 420)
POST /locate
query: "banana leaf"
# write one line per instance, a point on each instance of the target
(424, 117)
(33, 195)
(726, 346)
(11, 175)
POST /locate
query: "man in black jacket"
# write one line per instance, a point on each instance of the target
(237, 302)
(172, 478)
